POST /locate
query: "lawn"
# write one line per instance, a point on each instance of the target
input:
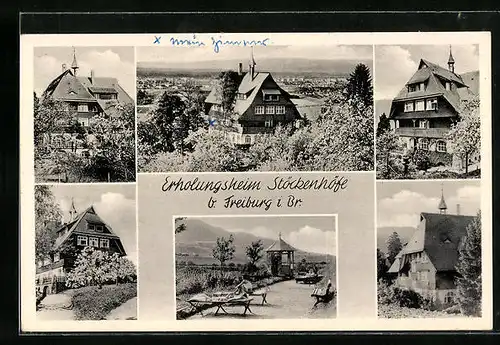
(92, 303)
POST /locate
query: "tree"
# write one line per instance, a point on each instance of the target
(47, 212)
(92, 267)
(384, 125)
(394, 246)
(359, 85)
(254, 254)
(465, 135)
(469, 283)
(180, 226)
(143, 97)
(223, 250)
(382, 267)
(49, 115)
(227, 88)
(113, 143)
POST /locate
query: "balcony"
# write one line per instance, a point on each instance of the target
(416, 132)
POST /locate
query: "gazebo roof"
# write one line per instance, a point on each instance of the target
(280, 246)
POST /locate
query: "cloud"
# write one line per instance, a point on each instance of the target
(393, 67)
(403, 208)
(105, 63)
(313, 240)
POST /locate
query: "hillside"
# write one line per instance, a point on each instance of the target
(198, 240)
(383, 233)
(274, 65)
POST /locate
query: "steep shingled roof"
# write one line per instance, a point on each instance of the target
(79, 226)
(439, 235)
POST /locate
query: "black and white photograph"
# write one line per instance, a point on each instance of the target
(266, 267)
(86, 252)
(273, 108)
(84, 114)
(429, 249)
(427, 110)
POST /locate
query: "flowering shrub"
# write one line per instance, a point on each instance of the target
(96, 267)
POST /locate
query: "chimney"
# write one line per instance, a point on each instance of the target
(92, 76)
(458, 209)
(240, 68)
(64, 68)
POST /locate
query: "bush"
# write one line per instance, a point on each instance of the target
(92, 303)
(389, 294)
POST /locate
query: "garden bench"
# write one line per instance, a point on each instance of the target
(323, 295)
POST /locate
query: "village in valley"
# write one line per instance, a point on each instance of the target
(255, 115)
(255, 272)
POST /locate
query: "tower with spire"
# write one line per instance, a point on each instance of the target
(74, 64)
(72, 211)
(442, 204)
(251, 65)
(451, 62)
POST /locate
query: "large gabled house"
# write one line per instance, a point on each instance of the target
(426, 264)
(260, 105)
(83, 98)
(424, 110)
(82, 230)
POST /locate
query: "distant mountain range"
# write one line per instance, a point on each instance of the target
(274, 65)
(383, 233)
(198, 240)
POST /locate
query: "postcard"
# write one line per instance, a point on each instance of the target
(256, 182)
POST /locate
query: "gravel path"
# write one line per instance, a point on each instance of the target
(56, 307)
(286, 300)
(127, 311)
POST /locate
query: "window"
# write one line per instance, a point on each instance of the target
(432, 104)
(423, 144)
(248, 139)
(83, 107)
(104, 243)
(81, 240)
(413, 87)
(269, 122)
(449, 298)
(424, 276)
(91, 227)
(57, 257)
(280, 109)
(441, 146)
(447, 85)
(270, 109)
(408, 106)
(259, 110)
(99, 228)
(268, 97)
(94, 242)
(420, 105)
(422, 124)
(424, 258)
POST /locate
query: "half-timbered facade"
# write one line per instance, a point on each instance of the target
(426, 264)
(260, 105)
(86, 229)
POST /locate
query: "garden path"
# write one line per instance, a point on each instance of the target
(286, 300)
(127, 311)
(56, 307)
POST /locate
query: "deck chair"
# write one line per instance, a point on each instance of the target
(248, 288)
(322, 294)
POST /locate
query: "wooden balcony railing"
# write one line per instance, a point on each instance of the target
(422, 132)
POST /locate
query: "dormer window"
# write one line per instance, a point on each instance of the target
(447, 85)
(416, 87)
(271, 95)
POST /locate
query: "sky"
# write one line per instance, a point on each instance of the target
(116, 62)
(399, 204)
(309, 233)
(194, 54)
(115, 204)
(394, 65)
